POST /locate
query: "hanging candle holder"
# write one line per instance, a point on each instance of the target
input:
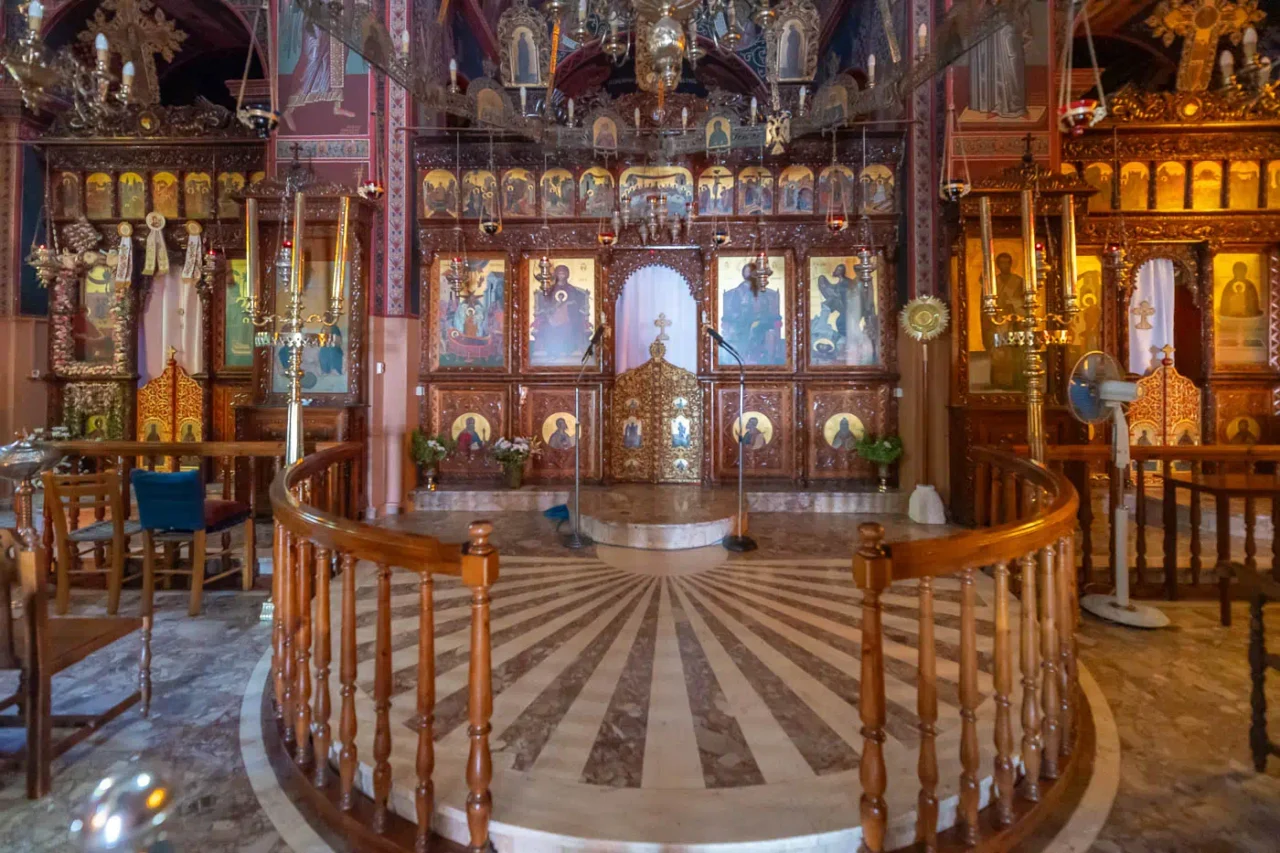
(607, 230)
(953, 187)
(1075, 116)
(837, 216)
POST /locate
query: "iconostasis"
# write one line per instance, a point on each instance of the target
(643, 250)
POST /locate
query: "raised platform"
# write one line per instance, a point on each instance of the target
(659, 517)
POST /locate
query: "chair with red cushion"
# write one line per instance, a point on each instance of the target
(173, 510)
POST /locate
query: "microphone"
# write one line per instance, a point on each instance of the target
(595, 340)
(715, 336)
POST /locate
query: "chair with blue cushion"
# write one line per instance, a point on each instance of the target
(173, 510)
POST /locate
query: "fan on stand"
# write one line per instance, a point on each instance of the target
(1097, 393)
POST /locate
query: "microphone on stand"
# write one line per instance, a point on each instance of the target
(719, 339)
(595, 340)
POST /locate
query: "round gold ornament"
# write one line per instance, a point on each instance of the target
(925, 317)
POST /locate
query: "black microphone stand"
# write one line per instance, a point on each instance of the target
(738, 540)
(575, 539)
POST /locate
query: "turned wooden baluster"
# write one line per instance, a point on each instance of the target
(927, 709)
(1223, 566)
(1051, 692)
(323, 656)
(1066, 636)
(969, 750)
(382, 702)
(1275, 540)
(347, 755)
(285, 606)
(277, 617)
(873, 572)
(1003, 677)
(1140, 516)
(424, 793)
(479, 571)
(302, 648)
(1032, 742)
(1012, 497)
(1170, 533)
(1196, 562)
(1081, 482)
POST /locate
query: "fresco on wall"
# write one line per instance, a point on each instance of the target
(229, 183)
(1098, 176)
(1273, 185)
(1135, 182)
(93, 329)
(133, 196)
(164, 194)
(1171, 186)
(837, 190)
(323, 85)
(68, 197)
(98, 201)
(715, 192)
(519, 193)
(755, 191)
(993, 368)
(197, 192)
(795, 190)
(557, 192)
(237, 330)
(877, 189)
(1240, 299)
(595, 191)
(439, 194)
(1086, 328)
(1243, 184)
(1206, 185)
(638, 183)
(479, 194)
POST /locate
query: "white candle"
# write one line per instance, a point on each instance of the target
(571, 111)
(637, 118)
(453, 73)
(754, 106)
(684, 118)
(404, 42)
(1250, 43)
(922, 40)
(35, 15)
(524, 99)
(128, 73)
(582, 10)
(803, 92)
(101, 46)
(871, 71)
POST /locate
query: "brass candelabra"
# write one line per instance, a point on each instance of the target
(289, 328)
(1031, 328)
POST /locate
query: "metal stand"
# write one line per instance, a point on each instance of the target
(575, 539)
(738, 541)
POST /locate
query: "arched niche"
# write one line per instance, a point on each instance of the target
(1162, 291)
(649, 292)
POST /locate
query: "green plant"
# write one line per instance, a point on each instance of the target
(429, 449)
(884, 450)
(511, 454)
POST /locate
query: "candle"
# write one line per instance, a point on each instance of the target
(404, 42)
(1250, 44)
(730, 15)
(754, 106)
(582, 10)
(1068, 252)
(684, 119)
(453, 73)
(803, 92)
(524, 99)
(571, 112)
(101, 46)
(35, 15)
(871, 71)
(637, 118)
(922, 41)
(127, 73)
(988, 260)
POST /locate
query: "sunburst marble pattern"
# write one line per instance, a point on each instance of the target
(684, 699)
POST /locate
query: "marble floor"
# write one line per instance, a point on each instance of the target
(1179, 696)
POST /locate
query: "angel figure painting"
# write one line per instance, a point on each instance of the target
(844, 322)
(316, 72)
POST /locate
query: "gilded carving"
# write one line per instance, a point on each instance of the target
(655, 430)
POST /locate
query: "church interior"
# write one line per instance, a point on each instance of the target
(625, 426)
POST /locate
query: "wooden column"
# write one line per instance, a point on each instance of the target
(873, 572)
(424, 793)
(1032, 742)
(927, 709)
(323, 657)
(1004, 770)
(479, 572)
(970, 754)
(347, 678)
(382, 702)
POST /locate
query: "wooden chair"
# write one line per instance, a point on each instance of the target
(46, 646)
(172, 510)
(66, 497)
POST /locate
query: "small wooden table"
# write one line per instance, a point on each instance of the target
(1223, 488)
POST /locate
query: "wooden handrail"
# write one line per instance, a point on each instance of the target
(948, 555)
(170, 448)
(1177, 452)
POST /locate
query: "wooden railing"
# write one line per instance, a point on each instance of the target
(313, 538)
(1171, 577)
(1027, 522)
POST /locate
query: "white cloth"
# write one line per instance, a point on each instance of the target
(191, 263)
(651, 291)
(1151, 316)
(171, 318)
(124, 261)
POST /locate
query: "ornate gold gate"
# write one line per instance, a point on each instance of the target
(655, 433)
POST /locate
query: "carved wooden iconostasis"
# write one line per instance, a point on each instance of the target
(139, 227)
(501, 350)
(334, 389)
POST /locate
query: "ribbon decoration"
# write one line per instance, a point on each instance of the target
(124, 255)
(191, 264)
(157, 259)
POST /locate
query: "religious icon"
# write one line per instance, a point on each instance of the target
(832, 102)
(715, 192)
(993, 368)
(557, 192)
(471, 321)
(1240, 309)
(93, 328)
(756, 430)
(1098, 176)
(471, 432)
(1086, 327)
(754, 323)
(637, 184)
(479, 194)
(633, 427)
(97, 196)
(1171, 186)
(844, 320)
(97, 428)
(755, 191)
(595, 191)
(519, 193)
(314, 67)
(998, 76)
(198, 193)
(1134, 184)
(680, 437)
(836, 189)
(489, 106)
(238, 331)
(1206, 185)
(561, 317)
(843, 430)
(877, 189)
(439, 194)
(164, 194)
(560, 431)
(604, 134)
(1273, 184)
(151, 430)
(68, 195)
(526, 67)
(325, 368)
(133, 196)
(795, 190)
(719, 134)
(1243, 430)
(229, 183)
(1243, 183)
(791, 52)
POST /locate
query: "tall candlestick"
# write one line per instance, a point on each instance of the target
(988, 258)
(922, 41)
(342, 250)
(249, 284)
(404, 42)
(1029, 242)
(1068, 253)
(524, 99)
(582, 10)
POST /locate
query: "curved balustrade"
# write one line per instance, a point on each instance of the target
(1029, 518)
(314, 538)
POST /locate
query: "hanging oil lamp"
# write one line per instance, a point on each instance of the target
(953, 187)
(1075, 116)
(721, 236)
(837, 217)
(607, 232)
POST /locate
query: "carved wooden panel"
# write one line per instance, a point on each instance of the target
(768, 424)
(226, 397)
(546, 412)
(835, 416)
(1242, 415)
(474, 416)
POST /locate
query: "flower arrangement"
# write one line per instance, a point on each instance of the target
(428, 450)
(884, 450)
(512, 453)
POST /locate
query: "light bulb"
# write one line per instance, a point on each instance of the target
(127, 73)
